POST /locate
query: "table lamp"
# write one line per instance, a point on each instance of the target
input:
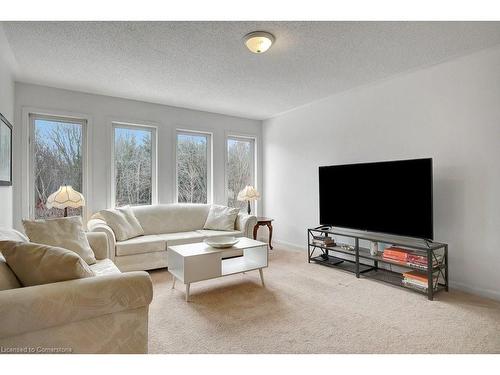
(65, 197)
(249, 194)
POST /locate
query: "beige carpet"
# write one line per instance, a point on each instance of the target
(308, 308)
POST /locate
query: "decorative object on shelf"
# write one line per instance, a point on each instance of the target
(248, 194)
(221, 242)
(374, 248)
(346, 247)
(5, 152)
(267, 222)
(65, 197)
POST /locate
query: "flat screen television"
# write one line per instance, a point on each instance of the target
(393, 197)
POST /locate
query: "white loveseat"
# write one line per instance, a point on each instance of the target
(107, 313)
(164, 225)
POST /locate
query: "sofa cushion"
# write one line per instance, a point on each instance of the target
(181, 238)
(8, 279)
(65, 232)
(208, 233)
(221, 218)
(140, 245)
(36, 264)
(142, 262)
(123, 222)
(104, 267)
(171, 218)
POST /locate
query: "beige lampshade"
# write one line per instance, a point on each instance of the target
(64, 197)
(249, 193)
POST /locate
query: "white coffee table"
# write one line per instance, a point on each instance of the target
(197, 261)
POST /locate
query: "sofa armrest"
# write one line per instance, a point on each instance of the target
(43, 306)
(98, 225)
(99, 244)
(246, 223)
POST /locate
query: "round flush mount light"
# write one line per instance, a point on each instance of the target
(258, 41)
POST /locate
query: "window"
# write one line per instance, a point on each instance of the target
(240, 168)
(57, 159)
(134, 169)
(193, 177)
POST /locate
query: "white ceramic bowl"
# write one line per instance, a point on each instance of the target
(221, 242)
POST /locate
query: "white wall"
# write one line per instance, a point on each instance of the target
(7, 109)
(101, 111)
(450, 112)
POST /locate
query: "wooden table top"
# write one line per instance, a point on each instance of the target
(262, 219)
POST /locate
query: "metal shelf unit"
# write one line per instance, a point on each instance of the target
(360, 262)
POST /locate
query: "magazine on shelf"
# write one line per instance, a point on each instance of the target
(413, 285)
(323, 243)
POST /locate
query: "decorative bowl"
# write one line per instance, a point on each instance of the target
(221, 242)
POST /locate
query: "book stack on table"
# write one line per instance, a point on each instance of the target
(417, 280)
(323, 241)
(409, 257)
(397, 254)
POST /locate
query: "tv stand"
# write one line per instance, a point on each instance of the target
(360, 262)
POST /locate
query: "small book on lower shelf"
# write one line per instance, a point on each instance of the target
(417, 280)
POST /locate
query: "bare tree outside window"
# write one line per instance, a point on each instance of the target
(133, 166)
(192, 168)
(57, 159)
(240, 169)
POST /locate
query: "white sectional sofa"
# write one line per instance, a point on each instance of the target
(164, 225)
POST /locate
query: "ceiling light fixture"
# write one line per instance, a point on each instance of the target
(258, 41)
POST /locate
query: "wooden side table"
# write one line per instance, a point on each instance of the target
(261, 221)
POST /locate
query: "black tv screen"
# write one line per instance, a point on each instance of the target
(393, 197)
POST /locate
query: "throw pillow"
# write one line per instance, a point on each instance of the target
(221, 218)
(36, 264)
(65, 232)
(123, 222)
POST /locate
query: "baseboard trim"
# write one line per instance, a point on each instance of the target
(288, 245)
(488, 293)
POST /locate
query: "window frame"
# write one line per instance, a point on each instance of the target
(209, 137)
(154, 166)
(84, 122)
(240, 137)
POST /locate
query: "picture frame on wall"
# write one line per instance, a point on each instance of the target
(5, 152)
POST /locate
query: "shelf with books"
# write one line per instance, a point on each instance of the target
(365, 254)
(429, 261)
(397, 279)
(421, 289)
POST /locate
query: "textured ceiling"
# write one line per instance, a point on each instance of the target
(204, 65)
